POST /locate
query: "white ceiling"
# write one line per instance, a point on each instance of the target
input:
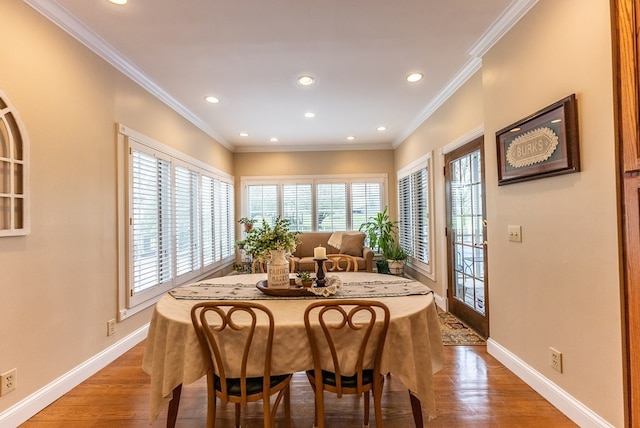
(249, 53)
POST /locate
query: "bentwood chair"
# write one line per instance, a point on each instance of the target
(347, 339)
(229, 344)
(342, 263)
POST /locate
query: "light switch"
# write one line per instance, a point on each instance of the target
(515, 233)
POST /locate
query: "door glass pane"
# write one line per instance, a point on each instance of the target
(468, 230)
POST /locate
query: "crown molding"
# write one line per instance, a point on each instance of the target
(55, 13)
(501, 26)
(312, 148)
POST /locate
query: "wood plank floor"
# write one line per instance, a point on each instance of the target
(474, 390)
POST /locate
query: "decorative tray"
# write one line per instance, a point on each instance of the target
(293, 290)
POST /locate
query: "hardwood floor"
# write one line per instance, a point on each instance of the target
(474, 390)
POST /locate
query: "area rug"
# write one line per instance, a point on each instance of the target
(455, 332)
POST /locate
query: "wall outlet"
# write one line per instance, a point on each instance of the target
(556, 359)
(515, 232)
(111, 327)
(8, 381)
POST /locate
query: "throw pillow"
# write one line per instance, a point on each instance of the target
(335, 240)
(352, 244)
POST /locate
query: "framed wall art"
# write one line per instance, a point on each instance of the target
(541, 145)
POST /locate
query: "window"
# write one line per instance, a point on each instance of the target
(325, 203)
(180, 219)
(14, 167)
(414, 215)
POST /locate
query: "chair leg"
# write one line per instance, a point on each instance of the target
(287, 406)
(366, 409)
(377, 406)
(237, 415)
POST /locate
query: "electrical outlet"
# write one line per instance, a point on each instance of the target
(111, 327)
(556, 359)
(8, 381)
(515, 232)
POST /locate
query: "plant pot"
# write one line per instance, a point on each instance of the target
(396, 267)
(382, 266)
(307, 283)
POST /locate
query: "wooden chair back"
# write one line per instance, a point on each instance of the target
(341, 263)
(227, 334)
(347, 340)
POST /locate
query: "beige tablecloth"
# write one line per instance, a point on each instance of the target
(413, 349)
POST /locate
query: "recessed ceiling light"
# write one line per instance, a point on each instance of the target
(381, 128)
(244, 134)
(118, 1)
(273, 139)
(306, 80)
(351, 138)
(414, 77)
(211, 99)
(309, 115)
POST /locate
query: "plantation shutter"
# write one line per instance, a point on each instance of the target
(404, 213)
(297, 206)
(224, 219)
(209, 232)
(151, 220)
(331, 206)
(420, 215)
(187, 220)
(263, 202)
(366, 201)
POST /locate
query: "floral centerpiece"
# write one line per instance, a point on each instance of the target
(260, 241)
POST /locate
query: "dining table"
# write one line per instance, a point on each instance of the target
(413, 349)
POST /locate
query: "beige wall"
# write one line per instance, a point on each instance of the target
(59, 284)
(455, 122)
(560, 287)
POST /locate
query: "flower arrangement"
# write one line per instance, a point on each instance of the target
(260, 241)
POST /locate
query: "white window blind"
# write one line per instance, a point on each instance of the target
(332, 206)
(297, 206)
(366, 200)
(325, 203)
(263, 202)
(180, 220)
(187, 220)
(414, 228)
(151, 221)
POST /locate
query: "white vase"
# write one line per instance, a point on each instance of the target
(278, 270)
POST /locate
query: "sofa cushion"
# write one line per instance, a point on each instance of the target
(352, 243)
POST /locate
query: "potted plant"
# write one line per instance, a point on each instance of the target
(260, 241)
(305, 279)
(380, 231)
(395, 256)
(247, 223)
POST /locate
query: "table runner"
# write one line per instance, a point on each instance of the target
(234, 290)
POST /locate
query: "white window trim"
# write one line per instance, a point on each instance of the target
(425, 161)
(245, 181)
(126, 137)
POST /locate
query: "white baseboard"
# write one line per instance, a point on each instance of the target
(559, 398)
(25, 409)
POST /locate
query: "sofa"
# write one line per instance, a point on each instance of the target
(343, 242)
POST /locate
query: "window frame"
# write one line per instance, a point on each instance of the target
(130, 302)
(280, 181)
(12, 195)
(423, 163)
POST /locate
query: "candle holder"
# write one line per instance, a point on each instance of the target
(320, 278)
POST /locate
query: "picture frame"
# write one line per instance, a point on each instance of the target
(542, 145)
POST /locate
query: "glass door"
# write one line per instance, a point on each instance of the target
(466, 235)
